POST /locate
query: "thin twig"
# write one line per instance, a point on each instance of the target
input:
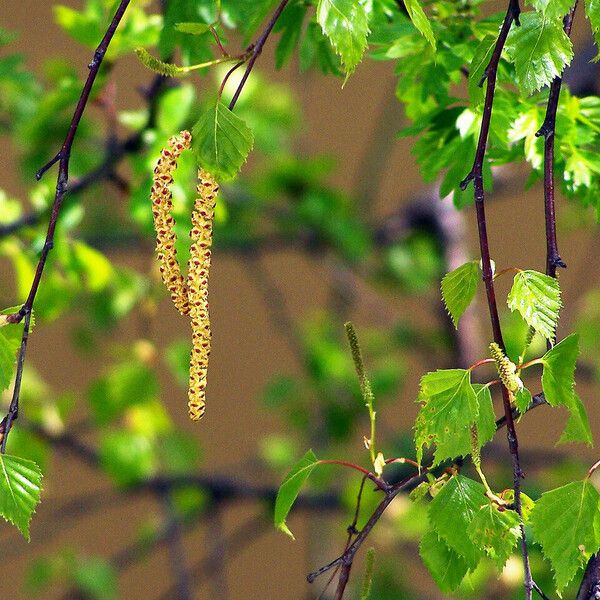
(256, 50)
(345, 560)
(174, 543)
(63, 158)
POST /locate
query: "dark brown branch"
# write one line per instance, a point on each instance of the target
(256, 49)
(63, 158)
(106, 170)
(246, 534)
(548, 129)
(219, 488)
(174, 544)
(476, 175)
(590, 584)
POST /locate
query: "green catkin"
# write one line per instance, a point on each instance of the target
(506, 369)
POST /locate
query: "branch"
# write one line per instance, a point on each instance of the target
(590, 584)
(174, 543)
(256, 50)
(553, 259)
(63, 158)
(476, 175)
(346, 559)
(219, 488)
(106, 169)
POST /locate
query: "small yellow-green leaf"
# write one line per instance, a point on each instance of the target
(193, 28)
(419, 20)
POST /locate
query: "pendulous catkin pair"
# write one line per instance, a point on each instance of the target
(190, 297)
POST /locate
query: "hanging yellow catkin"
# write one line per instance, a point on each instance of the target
(164, 223)
(197, 284)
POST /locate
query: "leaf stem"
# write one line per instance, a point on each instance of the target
(479, 363)
(593, 468)
(507, 270)
(380, 483)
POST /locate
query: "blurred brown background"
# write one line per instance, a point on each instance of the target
(247, 348)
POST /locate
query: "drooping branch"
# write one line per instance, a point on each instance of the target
(63, 158)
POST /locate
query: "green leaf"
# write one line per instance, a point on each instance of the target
(8, 351)
(193, 28)
(540, 50)
(459, 287)
(479, 63)
(20, 489)
(345, 23)
(93, 265)
(523, 400)
(496, 532)
(290, 488)
(173, 108)
(446, 566)
(127, 457)
(578, 425)
(449, 409)
(552, 9)
(566, 523)
(222, 141)
(419, 20)
(537, 297)
(558, 377)
(451, 513)
(558, 381)
(592, 11)
(365, 592)
(95, 578)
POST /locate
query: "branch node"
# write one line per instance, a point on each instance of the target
(557, 261)
(465, 182)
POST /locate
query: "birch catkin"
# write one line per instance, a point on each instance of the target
(191, 297)
(197, 284)
(164, 223)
